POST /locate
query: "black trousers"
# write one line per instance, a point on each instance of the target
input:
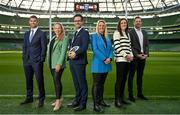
(137, 66)
(98, 87)
(57, 82)
(122, 69)
(31, 68)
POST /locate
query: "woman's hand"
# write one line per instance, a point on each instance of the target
(107, 61)
(129, 57)
(57, 68)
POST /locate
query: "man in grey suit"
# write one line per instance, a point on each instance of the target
(140, 48)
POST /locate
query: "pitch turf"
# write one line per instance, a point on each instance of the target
(161, 86)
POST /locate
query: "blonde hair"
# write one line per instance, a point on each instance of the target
(62, 31)
(105, 31)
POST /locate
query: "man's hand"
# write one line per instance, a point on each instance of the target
(72, 55)
(142, 56)
(57, 68)
(145, 56)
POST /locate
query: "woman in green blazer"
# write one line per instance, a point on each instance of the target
(56, 59)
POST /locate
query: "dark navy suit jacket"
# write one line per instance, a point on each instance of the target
(82, 40)
(36, 50)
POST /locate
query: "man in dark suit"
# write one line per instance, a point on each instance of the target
(140, 48)
(78, 61)
(34, 53)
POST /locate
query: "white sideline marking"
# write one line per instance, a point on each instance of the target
(90, 96)
(34, 95)
(3, 52)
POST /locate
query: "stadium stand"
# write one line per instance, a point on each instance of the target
(158, 28)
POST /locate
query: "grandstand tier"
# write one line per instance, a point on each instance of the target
(165, 29)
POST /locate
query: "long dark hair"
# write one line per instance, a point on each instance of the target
(119, 27)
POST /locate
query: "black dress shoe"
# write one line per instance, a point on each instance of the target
(40, 104)
(80, 108)
(118, 104)
(131, 98)
(26, 101)
(73, 104)
(102, 103)
(142, 97)
(125, 102)
(98, 108)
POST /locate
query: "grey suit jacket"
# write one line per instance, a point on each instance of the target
(135, 44)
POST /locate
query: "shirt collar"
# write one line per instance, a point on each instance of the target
(137, 29)
(35, 29)
(79, 29)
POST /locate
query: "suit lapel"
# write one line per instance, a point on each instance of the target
(136, 36)
(35, 35)
(28, 35)
(103, 47)
(55, 44)
(143, 38)
(102, 41)
(77, 35)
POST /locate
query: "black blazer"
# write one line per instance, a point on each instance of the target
(135, 44)
(36, 50)
(82, 40)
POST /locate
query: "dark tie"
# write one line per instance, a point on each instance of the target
(31, 36)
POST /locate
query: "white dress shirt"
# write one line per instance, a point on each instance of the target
(34, 29)
(140, 36)
(78, 30)
(32, 33)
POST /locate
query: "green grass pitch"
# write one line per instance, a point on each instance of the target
(161, 86)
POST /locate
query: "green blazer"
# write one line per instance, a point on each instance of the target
(58, 54)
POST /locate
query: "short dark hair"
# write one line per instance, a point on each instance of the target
(78, 15)
(137, 17)
(33, 16)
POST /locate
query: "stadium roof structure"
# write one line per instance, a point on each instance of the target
(106, 7)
